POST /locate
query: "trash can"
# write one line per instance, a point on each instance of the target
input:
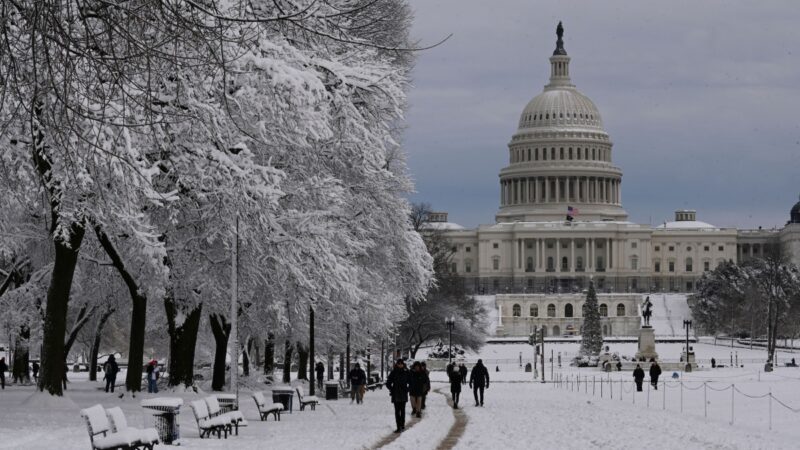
(528, 367)
(331, 390)
(283, 396)
(165, 415)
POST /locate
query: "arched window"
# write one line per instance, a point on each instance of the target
(605, 330)
(620, 310)
(564, 264)
(529, 264)
(551, 310)
(544, 331)
(579, 263)
(603, 310)
(556, 330)
(568, 310)
(688, 264)
(516, 310)
(534, 310)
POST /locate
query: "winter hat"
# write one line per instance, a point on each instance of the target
(400, 361)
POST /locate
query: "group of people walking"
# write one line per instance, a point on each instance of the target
(478, 381)
(403, 383)
(638, 375)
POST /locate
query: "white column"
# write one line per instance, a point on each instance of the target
(537, 258)
(589, 254)
(546, 189)
(558, 189)
(572, 255)
(607, 255)
(558, 255)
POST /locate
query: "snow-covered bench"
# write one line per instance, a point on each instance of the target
(206, 424)
(148, 437)
(265, 409)
(123, 438)
(304, 401)
(235, 418)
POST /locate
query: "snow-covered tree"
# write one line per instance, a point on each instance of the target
(591, 333)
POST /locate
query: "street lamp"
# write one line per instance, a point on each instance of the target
(687, 324)
(450, 322)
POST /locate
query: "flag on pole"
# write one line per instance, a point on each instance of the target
(571, 213)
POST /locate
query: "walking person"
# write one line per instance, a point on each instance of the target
(64, 377)
(462, 370)
(111, 369)
(35, 369)
(3, 370)
(655, 372)
(320, 368)
(358, 382)
(454, 375)
(638, 377)
(152, 377)
(416, 388)
(397, 383)
(478, 380)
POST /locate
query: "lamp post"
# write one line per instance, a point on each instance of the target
(450, 322)
(687, 324)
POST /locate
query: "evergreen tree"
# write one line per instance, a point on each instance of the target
(592, 336)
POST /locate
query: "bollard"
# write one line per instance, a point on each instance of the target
(733, 391)
(770, 408)
(705, 401)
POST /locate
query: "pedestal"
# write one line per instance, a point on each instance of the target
(647, 344)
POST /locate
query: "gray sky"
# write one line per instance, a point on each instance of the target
(701, 99)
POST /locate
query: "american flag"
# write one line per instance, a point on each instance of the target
(572, 211)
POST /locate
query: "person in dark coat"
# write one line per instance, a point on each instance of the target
(397, 383)
(111, 368)
(64, 378)
(35, 369)
(418, 382)
(713, 363)
(320, 369)
(462, 370)
(638, 377)
(655, 372)
(478, 380)
(454, 375)
(428, 385)
(358, 381)
(3, 370)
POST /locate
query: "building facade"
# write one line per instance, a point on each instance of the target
(561, 221)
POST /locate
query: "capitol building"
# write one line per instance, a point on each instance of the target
(561, 222)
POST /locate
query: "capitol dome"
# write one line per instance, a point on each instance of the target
(560, 157)
(561, 106)
(794, 213)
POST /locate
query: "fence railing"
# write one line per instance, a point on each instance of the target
(653, 397)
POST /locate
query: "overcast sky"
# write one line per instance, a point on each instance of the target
(701, 100)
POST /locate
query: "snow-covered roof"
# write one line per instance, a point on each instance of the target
(442, 226)
(686, 225)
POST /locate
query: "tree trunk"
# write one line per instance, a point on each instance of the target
(19, 370)
(341, 366)
(133, 381)
(302, 362)
(182, 342)
(269, 354)
(246, 357)
(84, 315)
(55, 319)
(98, 335)
(330, 363)
(287, 362)
(221, 329)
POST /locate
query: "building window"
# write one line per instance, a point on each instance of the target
(529, 264)
(657, 266)
(454, 249)
(549, 245)
(671, 248)
(688, 264)
(556, 330)
(568, 310)
(658, 248)
(453, 267)
(468, 267)
(706, 266)
(603, 310)
(495, 245)
(551, 310)
(579, 262)
(688, 249)
(634, 244)
(564, 264)
(468, 249)
(672, 266)
(634, 263)
(620, 310)
(529, 245)
(706, 248)
(496, 264)
(689, 286)
(517, 310)
(534, 310)
(721, 248)
(496, 284)
(550, 264)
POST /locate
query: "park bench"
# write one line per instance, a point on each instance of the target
(310, 400)
(207, 424)
(123, 438)
(265, 409)
(148, 437)
(344, 391)
(235, 418)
